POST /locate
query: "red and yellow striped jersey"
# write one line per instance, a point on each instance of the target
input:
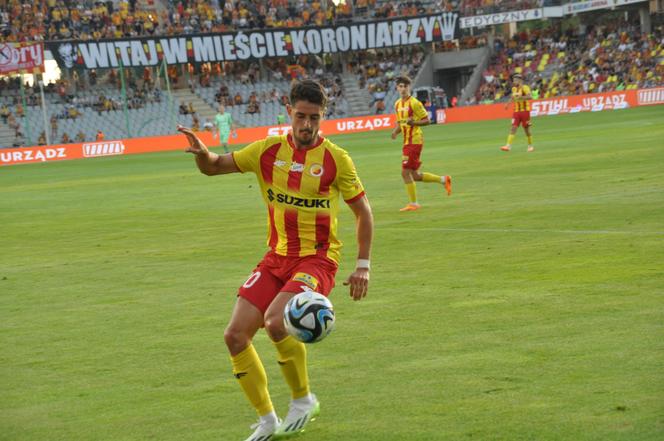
(521, 104)
(301, 189)
(411, 107)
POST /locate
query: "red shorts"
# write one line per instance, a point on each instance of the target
(411, 156)
(521, 119)
(275, 274)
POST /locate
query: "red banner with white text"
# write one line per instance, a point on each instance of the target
(21, 57)
(552, 106)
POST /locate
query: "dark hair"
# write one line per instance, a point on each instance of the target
(404, 79)
(308, 90)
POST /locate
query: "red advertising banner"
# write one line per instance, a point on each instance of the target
(552, 106)
(98, 149)
(21, 57)
(327, 127)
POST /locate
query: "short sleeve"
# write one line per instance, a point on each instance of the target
(419, 112)
(248, 158)
(348, 182)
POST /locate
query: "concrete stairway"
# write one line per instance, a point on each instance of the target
(358, 99)
(202, 108)
(6, 135)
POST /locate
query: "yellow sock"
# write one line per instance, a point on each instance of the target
(412, 192)
(510, 138)
(249, 371)
(430, 177)
(293, 363)
(530, 140)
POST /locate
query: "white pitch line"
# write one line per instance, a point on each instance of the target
(520, 230)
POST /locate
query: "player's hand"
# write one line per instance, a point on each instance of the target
(359, 283)
(410, 122)
(196, 146)
(394, 134)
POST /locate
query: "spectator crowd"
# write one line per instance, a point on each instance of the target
(611, 57)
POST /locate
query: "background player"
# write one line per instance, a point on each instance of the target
(301, 177)
(521, 96)
(411, 115)
(224, 123)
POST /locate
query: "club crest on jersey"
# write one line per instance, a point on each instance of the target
(297, 167)
(316, 170)
(307, 279)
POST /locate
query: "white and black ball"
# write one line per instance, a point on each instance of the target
(309, 317)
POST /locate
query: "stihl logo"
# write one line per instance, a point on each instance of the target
(549, 107)
(103, 149)
(651, 96)
(276, 131)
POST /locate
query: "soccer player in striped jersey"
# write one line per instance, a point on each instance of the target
(411, 116)
(301, 177)
(521, 96)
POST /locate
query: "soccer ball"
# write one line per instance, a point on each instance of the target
(309, 317)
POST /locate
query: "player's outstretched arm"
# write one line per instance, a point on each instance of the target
(359, 279)
(209, 163)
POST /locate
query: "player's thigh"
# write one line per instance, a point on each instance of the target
(411, 156)
(274, 316)
(261, 288)
(246, 320)
(527, 122)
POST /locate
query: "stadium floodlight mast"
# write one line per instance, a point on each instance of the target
(43, 106)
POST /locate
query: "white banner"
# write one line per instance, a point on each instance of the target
(573, 8)
(649, 97)
(500, 18)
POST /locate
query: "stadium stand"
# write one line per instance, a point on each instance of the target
(611, 56)
(614, 57)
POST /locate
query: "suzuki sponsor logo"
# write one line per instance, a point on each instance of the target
(103, 149)
(295, 201)
(379, 122)
(33, 155)
(651, 96)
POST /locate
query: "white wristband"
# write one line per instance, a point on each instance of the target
(363, 264)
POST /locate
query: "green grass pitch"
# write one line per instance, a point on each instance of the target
(529, 305)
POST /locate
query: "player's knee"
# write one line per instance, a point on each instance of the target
(275, 328)
(235, 340)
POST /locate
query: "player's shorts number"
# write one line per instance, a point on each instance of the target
(252, 280)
